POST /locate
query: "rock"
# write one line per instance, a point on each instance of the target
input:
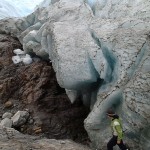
(31, 121)
(37, 130)
(62, 142)
(11, 139)
(37, 121)
(8, 104)
(6, 122)
(23, 128)
(7, 115)
(24, 83)
(20, 118)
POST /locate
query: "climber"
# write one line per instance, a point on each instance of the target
(116, 130)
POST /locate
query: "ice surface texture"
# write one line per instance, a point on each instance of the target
(100, 51)
(17, 8)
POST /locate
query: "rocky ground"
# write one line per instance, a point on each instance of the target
(34, 88)
(11, 139)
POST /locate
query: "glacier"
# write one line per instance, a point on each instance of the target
(21, 57)
(100, 51)
(17, 8)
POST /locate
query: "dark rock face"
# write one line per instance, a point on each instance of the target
(34, 87)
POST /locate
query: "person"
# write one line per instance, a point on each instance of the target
(117, 131)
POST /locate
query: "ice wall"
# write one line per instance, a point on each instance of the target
(100, 51)
(8, 10)
(17, 8)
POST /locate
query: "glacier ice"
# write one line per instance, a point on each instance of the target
(7, 9)
(18, 51)
(17, 8)
(27, 59)
(16, 59)
(100, 51)
(21, 56)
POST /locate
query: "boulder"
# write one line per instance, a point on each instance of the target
(6, 122)
(7, 115)
(20, 118)
(8, 104)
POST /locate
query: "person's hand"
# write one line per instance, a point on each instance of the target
(118, 141)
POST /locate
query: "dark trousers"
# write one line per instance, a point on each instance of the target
(113, 142)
